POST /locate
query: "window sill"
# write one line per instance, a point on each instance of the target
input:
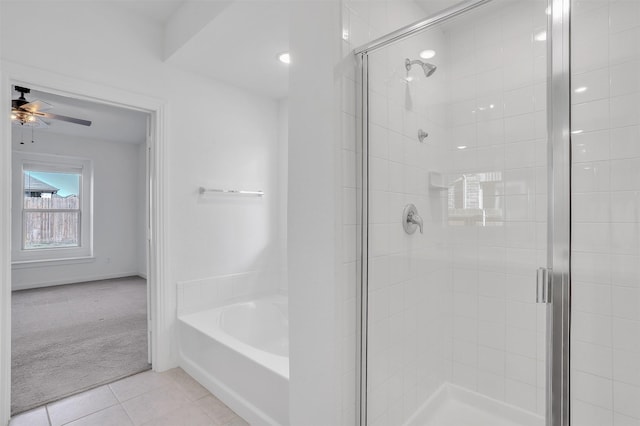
(40, 263)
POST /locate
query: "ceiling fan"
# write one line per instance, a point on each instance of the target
(31, 114)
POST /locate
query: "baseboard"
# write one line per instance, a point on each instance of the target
(73, 280)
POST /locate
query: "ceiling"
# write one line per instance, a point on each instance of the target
(159, 11)
(109, 123)
(434, 6)
(240, 47)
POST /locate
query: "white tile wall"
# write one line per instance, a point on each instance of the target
(411, 295)
(606, 244)
(501, 118)
(400, 378)
(207, 293)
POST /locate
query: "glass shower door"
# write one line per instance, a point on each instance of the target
(455, 191)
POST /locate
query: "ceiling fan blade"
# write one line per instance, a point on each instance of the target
(36, 106)
(64, 118)
(40, 123)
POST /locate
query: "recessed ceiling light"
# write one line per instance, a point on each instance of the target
(462, 147)
(541, 36)
(427, 54)
(577, 132)
(581, 89)
(285, 58)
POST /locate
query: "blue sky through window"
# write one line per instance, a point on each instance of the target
(68, 183)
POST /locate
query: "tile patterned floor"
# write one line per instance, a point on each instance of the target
(171, 398)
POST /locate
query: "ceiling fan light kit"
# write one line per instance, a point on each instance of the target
(31, 113)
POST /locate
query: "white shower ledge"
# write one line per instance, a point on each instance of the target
(453, 405)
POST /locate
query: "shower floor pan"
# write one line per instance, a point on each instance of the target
(452, 405)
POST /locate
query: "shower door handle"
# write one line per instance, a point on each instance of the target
(543, 285)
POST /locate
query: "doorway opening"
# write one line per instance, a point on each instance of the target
(80, 250)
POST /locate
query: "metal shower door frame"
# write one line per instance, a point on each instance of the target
(558, 412)
(558, 197)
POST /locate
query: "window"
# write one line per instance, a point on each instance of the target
(51, 214)
(54, 217)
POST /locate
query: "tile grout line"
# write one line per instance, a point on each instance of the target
(191, 400)
(87, 415)
(121, 402)
(93, 412)
(46, 410)
(126, 412)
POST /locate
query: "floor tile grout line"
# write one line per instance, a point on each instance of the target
(126, 413)
(181, 405)
(46, 409)
(173, 381)
(87, 415)
(91, 414)
(138, 395)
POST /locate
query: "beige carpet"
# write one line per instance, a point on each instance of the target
(70, 338)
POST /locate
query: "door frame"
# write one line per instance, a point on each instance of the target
(559, 203)
(157, 266)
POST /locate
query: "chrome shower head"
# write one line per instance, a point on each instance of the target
(428, 68)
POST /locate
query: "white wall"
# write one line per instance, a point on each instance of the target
(143, 201)
(313, 224)
(283, 185)
(216, 135)
(116, 211)
(605, 324)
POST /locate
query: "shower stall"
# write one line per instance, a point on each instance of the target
(500, 217)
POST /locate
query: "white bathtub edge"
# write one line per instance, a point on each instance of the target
(233, 400)
(275, 363)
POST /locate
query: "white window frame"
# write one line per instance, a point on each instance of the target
(51, 163)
